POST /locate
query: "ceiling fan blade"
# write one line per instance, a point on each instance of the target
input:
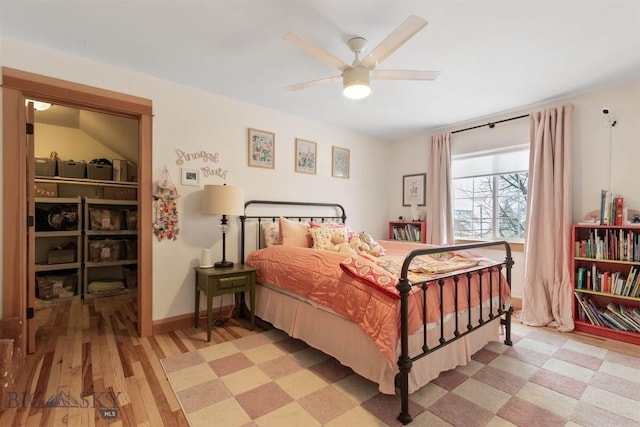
(313, 83)
(404, 75)
(397, 38)
(314, 50)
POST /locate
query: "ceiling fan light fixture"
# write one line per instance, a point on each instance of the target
(355, 82)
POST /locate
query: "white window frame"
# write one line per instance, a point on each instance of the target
(493, 164)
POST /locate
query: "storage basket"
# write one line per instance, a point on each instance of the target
(104, 250)
(131, 216)
(71, 169)
(57, 286)
(101, 172)
(105, 219)
(130, 248)
(44, 166)
(131, 277)
(61, 256)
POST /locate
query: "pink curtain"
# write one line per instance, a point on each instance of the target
(439, 204)
(548, 291)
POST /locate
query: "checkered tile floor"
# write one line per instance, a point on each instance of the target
(545, 379)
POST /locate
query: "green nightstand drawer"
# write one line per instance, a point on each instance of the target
(230, 283)
(215, 282)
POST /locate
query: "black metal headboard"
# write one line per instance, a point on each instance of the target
(311, 214)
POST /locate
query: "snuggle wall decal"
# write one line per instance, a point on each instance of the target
(206, 157)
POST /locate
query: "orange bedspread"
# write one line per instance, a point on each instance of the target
(318, 276)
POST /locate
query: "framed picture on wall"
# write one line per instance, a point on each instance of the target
(190, 177)
(340, 162)
(413, 189)
(305, 156)
(261, 148)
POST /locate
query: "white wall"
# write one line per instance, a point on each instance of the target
(592, 136)
(193, 120)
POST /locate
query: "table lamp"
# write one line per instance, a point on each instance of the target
(223, 200)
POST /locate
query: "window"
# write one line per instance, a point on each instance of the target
(490, 194)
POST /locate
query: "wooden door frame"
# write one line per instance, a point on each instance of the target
(18, 85)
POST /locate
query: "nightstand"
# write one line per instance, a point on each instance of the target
(222, 281)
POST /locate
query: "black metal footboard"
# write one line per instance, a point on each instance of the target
(405, 361)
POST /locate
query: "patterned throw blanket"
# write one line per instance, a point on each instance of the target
(384, 273)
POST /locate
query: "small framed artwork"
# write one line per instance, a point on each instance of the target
(305, 156)
(190, 177)
(340, 162)
(413, 189)
(261, 148)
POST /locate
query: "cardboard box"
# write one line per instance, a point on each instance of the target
(132, 172)
(120, 193)
(46, 189)
(75, 190)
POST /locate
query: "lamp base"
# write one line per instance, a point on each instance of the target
(223, 264)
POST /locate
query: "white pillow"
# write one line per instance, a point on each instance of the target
(270, 233)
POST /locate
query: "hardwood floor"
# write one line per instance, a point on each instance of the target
(89, 354)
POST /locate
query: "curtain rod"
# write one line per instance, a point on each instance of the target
(491, 124)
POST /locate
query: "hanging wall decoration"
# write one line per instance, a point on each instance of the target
(165, 211)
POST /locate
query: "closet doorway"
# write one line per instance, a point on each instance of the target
(18, 186)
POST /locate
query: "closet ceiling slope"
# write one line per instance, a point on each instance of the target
(117, 133)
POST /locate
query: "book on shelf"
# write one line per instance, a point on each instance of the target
(626, 312)
(587, 310)
(611, 208)
(635, 291)
(613, 320)
(614, 316)
(610, 244)
(618, 314)
(582, 272)
(619, 209)
(410, 232)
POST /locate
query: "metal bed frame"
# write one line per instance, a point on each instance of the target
(405, 361)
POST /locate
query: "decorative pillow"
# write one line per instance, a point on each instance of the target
(270, 233)
(332, 225)
(322, 236)
(294, 233)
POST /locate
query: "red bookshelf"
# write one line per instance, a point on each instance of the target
(605, 269)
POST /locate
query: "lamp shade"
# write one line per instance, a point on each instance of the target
(223, 200)
(355, 82)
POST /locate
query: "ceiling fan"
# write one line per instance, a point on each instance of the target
(357, 76)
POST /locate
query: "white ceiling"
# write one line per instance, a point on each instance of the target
(494, 56)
